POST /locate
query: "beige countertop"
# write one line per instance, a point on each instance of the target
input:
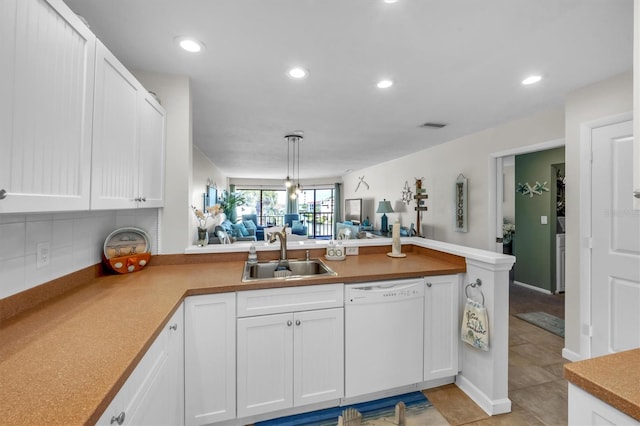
(614, 379)
(63, 361)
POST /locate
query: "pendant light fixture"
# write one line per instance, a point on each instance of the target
(293, 146)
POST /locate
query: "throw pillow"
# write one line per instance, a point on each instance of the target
(249, 224)
(240, 230)
(296, 225)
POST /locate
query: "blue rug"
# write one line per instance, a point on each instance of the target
(385, 407)
(545, 321)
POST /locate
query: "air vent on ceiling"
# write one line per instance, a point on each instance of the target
(430, 125)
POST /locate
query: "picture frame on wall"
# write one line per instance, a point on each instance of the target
(210, 197)
(353, 210)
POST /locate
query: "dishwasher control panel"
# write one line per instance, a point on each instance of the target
(384, 291)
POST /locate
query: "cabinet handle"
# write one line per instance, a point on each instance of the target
(289, 323)
(298, 322)
(143, 199)
(3, 194)
(429, 285)
(173, 327)
(635, 194)
(118, 419)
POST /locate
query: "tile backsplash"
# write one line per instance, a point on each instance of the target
(75, 239)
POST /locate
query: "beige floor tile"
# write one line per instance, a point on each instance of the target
(522, 376)
(517, 417)
(455, 405)
(536, 354)
(546, 402)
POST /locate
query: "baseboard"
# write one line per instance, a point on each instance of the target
(532, 287)
(491, 407)
(571, 355)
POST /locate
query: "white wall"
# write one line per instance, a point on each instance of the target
(204, 170)
(610, 97)
(175, 94)
(440, 166)
(76, 242)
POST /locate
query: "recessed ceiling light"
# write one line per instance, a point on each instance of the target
(384, 84)
(532, 79)
(297, 73)
(190, 45)
(390, 1)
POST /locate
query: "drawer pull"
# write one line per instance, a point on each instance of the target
(118, 419)
(173, 327)
(429, 285)
(298, 322)
(635, 194)
(3, 194)
(289, 323)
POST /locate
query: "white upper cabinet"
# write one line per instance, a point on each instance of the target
(151, 153)
(636, 105)
(46, 101)
(128, 139)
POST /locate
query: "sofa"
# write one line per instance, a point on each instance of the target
(231, 232)
(296, 225)
(251, 221)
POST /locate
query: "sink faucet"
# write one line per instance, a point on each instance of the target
(283, 242)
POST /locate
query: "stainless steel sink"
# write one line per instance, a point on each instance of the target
(297, 269)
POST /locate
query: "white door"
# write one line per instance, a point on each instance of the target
(615, 266)
(265, 364)
(318, 360)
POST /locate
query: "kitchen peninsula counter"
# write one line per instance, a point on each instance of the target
(63, 361)
(614, 379)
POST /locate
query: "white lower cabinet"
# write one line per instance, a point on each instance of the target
(210, 358)
(290, 359)
(441, 327)
(153, 393)
(586, 410)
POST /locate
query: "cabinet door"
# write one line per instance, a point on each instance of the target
(210, 358)
(318, 356)
(46, 100)
(153, 394)
(114, 173)
(441, 342)
(152, 149)
(265, 364)
(159, 399)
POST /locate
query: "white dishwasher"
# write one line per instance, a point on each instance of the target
(384, 333)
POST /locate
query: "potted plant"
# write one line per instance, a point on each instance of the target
(229, 201)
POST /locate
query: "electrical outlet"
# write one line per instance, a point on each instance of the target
(351, 251)
(43, 254)
(543, 220)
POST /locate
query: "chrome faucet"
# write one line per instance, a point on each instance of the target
(283, 241)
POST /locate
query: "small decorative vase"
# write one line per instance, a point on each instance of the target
(203, 237)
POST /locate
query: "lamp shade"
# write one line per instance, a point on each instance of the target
(384, 207)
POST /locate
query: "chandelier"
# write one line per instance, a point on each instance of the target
(293, 163)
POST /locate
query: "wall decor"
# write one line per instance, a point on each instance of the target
(353, 210)
(407, 195)
(461, 218)
(537, 189)
(361, 179)
(420, 197)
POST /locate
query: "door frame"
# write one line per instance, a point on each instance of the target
(495, 186)
(584, 226)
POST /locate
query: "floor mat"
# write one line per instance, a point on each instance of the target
(544, 320)
(419, 411)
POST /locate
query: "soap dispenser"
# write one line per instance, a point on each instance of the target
(253, 256)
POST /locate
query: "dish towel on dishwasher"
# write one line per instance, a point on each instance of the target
(475, 325)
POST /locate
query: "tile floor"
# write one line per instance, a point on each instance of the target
(537, 390)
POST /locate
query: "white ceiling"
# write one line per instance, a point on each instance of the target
(458, 62)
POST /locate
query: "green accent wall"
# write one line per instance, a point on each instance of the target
(534, 243)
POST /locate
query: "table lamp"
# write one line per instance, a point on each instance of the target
(384, 207)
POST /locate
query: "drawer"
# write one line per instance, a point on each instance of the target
(290, 299)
